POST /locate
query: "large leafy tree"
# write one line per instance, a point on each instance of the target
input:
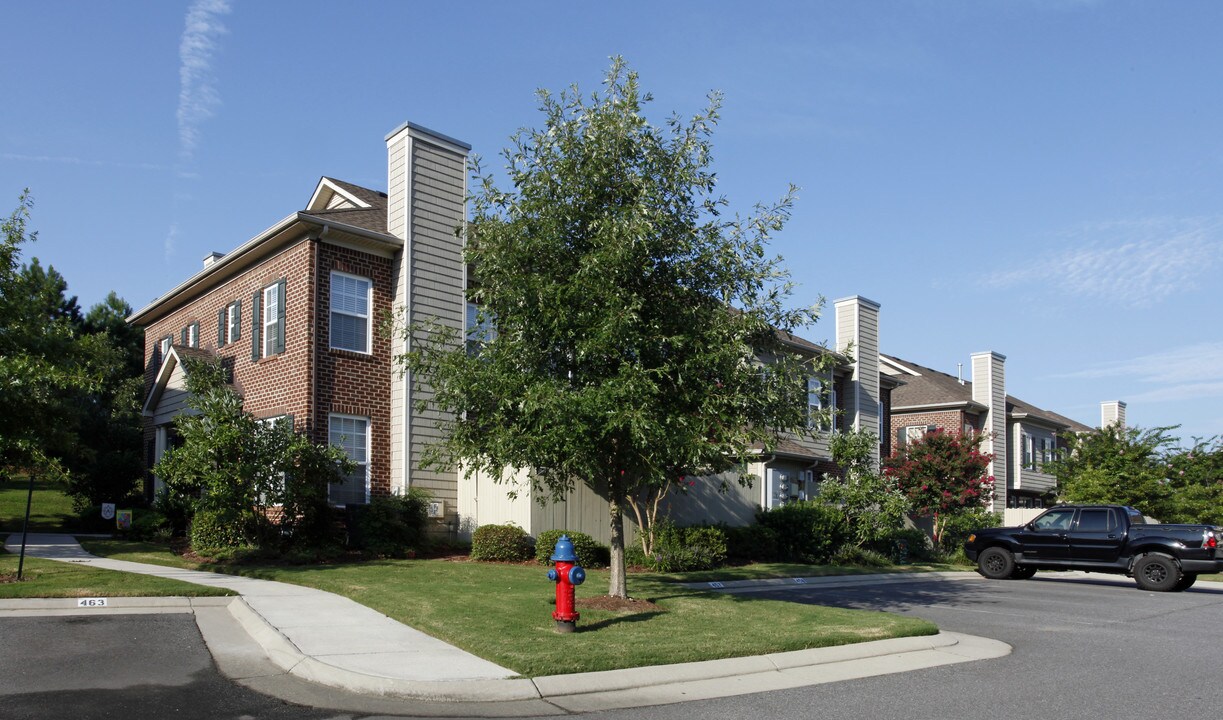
(630, 313)
(42, 362)
(1119, 465)
(872, 501)
(106, 462)
(1195, 475)
(943, 474)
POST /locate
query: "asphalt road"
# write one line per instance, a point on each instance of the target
(126, 667)
(1083, 650)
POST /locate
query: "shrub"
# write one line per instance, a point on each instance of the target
(634, 556)
(960, 525)
(678, 549)
(148, 524)
(917, 546)
(752, 543)
(807, 531)
(589, 552)
(216, 531)
(500, 543)
(854, 555)
(393, 526)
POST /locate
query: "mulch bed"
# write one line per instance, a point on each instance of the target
(8, 578)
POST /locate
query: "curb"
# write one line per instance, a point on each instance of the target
(632, 687)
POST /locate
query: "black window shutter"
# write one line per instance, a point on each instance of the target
(182, 337)
(280, 316)
(255, 354)
(221, 322)
(238, 316)
(900, 437)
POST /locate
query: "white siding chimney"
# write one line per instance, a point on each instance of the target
(1112, 412)
(426, 196)
(857, 323)
(989, 389)
(211, 258)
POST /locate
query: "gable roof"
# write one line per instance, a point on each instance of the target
(357, 217)
(174, 356)
(926, 388)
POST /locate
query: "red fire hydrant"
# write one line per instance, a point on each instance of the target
(567, 575)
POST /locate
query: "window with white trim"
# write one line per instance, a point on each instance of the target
(271, 318)
(481, 328)
(163, 349)
(275, 483)
(820, 395)
(351, 297)
(917, 432)
(351, 434)
(233, 322)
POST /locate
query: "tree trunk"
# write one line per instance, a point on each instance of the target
(618, 585)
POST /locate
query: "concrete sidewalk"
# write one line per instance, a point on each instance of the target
(287, 641)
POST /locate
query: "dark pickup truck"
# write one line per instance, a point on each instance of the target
(1100, 538)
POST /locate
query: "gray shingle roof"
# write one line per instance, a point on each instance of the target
(936, 388)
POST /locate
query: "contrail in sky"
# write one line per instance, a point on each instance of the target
(198, 97)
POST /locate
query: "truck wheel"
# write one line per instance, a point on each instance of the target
(1187, 581)
(1156, 572)
(1022, 573)
(996, 563)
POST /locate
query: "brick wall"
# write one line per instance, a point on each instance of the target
(287, 383)
(355, 383)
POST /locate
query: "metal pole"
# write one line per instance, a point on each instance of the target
(29, 499)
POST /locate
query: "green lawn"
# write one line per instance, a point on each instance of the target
(50, 511)
(48, 578)
(503, 613)
(766, 571)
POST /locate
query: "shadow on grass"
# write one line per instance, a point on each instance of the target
(634, 618)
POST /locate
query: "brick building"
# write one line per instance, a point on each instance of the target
(295, 313)
(1020, 436)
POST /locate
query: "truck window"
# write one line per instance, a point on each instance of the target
(1096, 520)
(1055, 520)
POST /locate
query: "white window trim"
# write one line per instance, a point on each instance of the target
(233, 322)
(368, 428)
(269, 327)
(369, 304)
(272, 422)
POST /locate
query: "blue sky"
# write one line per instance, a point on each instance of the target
(1038, 178)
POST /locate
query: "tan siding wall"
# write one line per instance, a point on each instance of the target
(435, 280)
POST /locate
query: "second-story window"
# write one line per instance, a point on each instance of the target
(350, 311)
(268, 321)
(229, 324)
(821, 403)
(191, 336)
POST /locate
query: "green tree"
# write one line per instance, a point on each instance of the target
(630, 315)
(106, 462)
(41, 361)
(1195, 475)
(1117, 465)
(234, 470)
(871, 501)
(943, 474)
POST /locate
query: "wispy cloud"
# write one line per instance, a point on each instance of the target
(1178, 374)
(69, 160)
(198, 97)
(171, 241)
(1127, 262)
